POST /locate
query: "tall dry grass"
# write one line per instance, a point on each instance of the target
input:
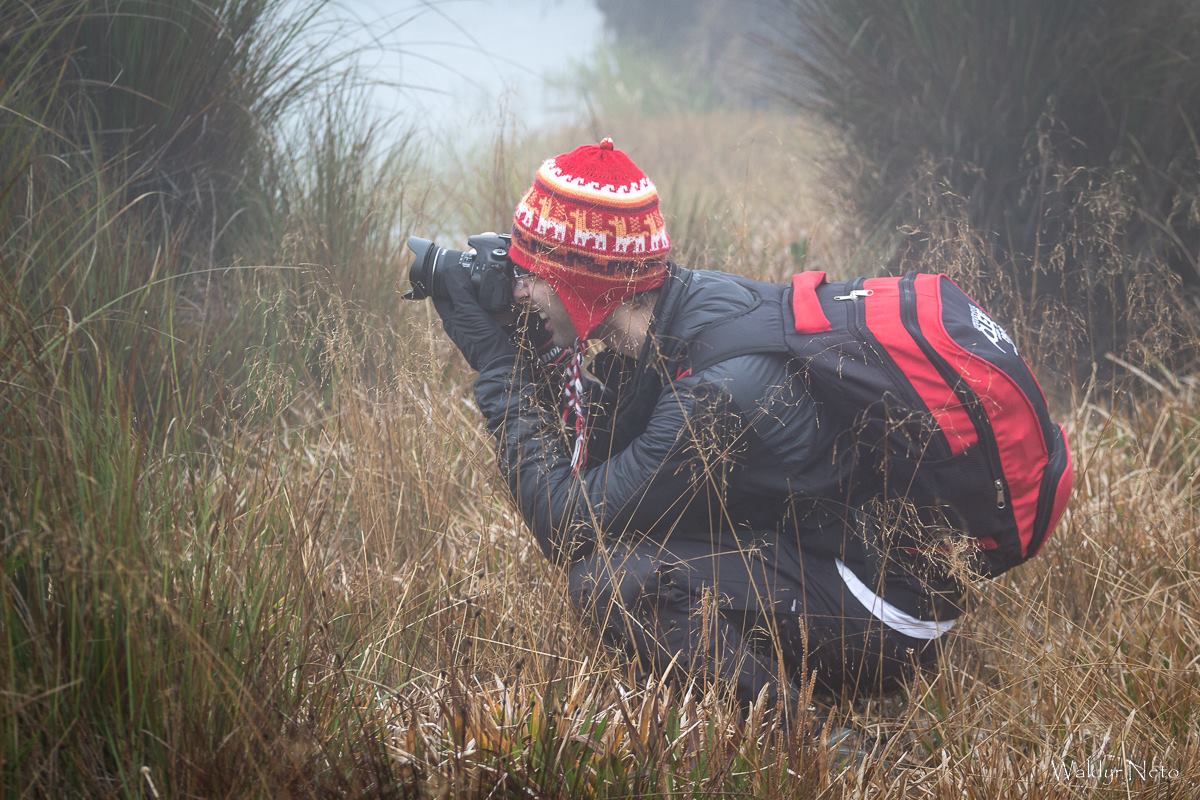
(254, 545)
(1072, 676)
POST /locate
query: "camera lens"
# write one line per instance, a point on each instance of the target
(429, 263)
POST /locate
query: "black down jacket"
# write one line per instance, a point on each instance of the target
(740, 449)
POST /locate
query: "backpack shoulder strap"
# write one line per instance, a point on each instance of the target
(760, 329)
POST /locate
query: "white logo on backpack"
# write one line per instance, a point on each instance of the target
(988, 327)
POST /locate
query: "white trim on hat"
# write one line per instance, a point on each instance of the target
(634, 193)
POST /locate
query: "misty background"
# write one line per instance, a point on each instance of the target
(451, 68)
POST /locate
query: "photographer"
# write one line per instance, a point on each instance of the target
(700, 509)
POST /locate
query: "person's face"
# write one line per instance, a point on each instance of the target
(533, 293)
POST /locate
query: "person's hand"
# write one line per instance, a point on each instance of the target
(477, 333)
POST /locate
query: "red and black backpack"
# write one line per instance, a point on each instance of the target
(931, 379)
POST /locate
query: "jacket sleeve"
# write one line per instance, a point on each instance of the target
(674, 468)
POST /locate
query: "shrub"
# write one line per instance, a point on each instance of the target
(185, 98)
(1020, 109)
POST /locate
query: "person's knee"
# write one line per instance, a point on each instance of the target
(608, 587)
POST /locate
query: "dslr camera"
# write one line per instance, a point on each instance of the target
(486, 261)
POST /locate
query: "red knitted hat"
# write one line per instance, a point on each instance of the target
(591, 227)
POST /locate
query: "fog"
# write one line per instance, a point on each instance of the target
(452, 66)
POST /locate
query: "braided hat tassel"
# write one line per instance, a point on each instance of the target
(573, 402)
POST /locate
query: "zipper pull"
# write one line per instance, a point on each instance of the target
(855, 294)
(1000, 502)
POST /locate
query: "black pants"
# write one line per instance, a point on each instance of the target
(735, 616)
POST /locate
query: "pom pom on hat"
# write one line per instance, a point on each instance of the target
(591, 227)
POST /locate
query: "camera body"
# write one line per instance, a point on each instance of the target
(486, 261)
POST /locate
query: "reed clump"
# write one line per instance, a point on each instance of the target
(1030, 116)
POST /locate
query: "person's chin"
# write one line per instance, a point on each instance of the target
(560, 338)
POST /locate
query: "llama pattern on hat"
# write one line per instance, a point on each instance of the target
(598, 231)
(586, 236)
(658, 231)
(626, 239)
(556, 228)
(594, 229)
(524, 213)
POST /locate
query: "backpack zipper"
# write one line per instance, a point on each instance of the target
(857, 317)
(970, 400)
(1046, 489)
